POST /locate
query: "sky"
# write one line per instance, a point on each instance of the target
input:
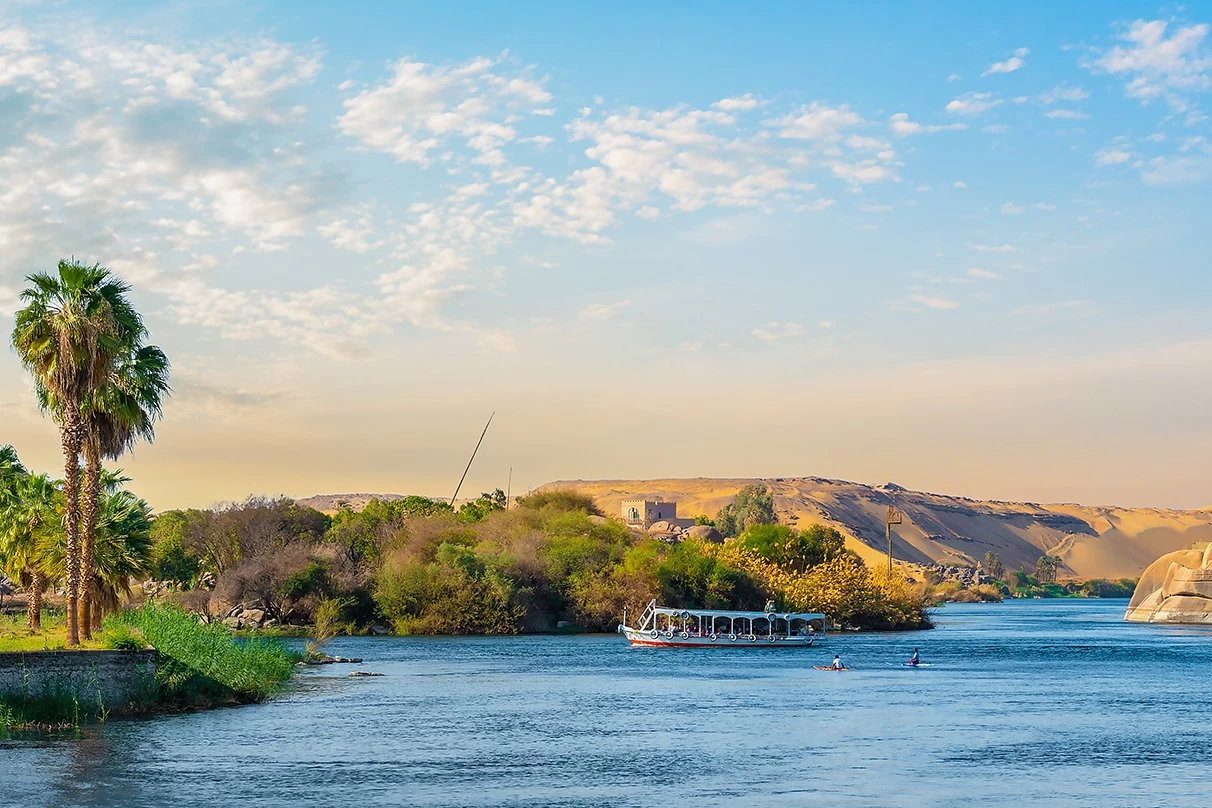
(960, 247)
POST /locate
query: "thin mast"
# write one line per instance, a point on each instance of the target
(471, 459)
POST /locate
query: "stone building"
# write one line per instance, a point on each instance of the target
(643, 513)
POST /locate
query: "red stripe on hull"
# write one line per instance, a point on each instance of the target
(759, 643)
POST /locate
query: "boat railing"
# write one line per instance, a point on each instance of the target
(647, 614)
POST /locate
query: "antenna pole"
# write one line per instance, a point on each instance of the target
(471, 459)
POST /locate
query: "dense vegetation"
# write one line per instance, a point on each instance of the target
(33, 542)
(423, 568)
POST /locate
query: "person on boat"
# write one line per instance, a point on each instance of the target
(914, 660)
(838, 665)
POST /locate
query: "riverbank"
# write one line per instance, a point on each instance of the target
(196, 666)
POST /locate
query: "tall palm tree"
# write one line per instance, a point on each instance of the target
(74, 325)
(123, 547)
(123, 410)
(30, 526)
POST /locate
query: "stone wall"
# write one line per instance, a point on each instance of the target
(111, 679)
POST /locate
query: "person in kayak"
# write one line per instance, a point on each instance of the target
(838, 665)
(914, 660)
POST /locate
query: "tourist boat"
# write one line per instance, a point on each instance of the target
(708, 628)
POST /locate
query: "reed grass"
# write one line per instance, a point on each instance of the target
(202, 665)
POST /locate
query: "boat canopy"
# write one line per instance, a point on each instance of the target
(683, 613)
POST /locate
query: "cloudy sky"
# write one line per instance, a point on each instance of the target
(964, 251)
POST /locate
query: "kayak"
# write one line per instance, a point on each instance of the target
(829, 668)
(918, 665)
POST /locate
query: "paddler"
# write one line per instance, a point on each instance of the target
(914, 660)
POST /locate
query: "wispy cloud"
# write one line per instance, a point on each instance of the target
(1009, 65)
(1155, 65)
(775, 331)
(600, 312)
(972, 103)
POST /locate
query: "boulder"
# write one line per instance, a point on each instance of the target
(704, 533)
(1176, 588)
(379, 631)
(253, 616)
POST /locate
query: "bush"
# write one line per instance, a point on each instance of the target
(560, 499)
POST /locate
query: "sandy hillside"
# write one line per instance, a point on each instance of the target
(1093, 542)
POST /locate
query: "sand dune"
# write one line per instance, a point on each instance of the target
(1092, 541)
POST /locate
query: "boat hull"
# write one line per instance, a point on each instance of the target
(645, 639)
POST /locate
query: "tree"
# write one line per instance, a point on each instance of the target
(74, 325)
(123, 550)
(1045, 569)
(26, 529)
(993, 566)
(123, 410)
(752, 505)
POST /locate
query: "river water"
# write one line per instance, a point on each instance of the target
(1023, 703)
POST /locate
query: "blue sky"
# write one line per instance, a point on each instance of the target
(953, 245)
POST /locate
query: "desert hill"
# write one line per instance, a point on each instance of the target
(1092, 541)
(327, 503)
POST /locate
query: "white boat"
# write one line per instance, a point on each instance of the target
(714, 628)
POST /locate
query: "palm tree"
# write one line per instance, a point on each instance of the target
(29, 526)
(123, 547)
(123, 410)
(124, 550)
(74, 324)
(11, 474)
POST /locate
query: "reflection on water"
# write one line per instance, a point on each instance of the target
(1029, 703)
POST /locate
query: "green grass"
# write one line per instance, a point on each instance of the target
(202, 665)
(16, 636)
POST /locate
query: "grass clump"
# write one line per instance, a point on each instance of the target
(201, 664)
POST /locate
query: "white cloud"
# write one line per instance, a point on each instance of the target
(1160, 66)
(1063, 92)
(1009, 65)
(415, 112)
(1066, 114)
(1111, 156)
(825, 324)
(972, 103)
(1186, 167)
(959, 184)
(933, 301)
(901, 125)
(742, 103)
(356, 235)
(1011, 209)
(817, 122)
(600, 312)
(983, 274)
(774, 331)
(995, 248)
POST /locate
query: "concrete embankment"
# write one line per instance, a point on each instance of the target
(106, 679)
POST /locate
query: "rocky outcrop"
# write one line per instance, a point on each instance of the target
(704, 533)
(1176, 588)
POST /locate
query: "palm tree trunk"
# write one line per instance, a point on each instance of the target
(71, 515)
(33, 606)
(88, 532)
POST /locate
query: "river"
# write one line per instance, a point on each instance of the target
(1024, 703)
